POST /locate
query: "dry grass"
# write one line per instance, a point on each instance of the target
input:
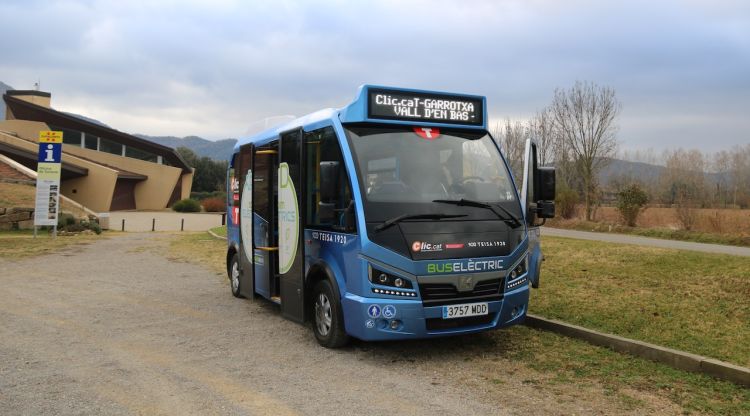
(16, 195)
(734, 221)
(200, 248)
(22, 244)
(691, 301)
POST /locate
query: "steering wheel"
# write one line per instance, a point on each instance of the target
(471, 178)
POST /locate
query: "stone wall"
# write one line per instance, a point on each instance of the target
(11, 218)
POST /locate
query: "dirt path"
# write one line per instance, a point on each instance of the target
(117, 328)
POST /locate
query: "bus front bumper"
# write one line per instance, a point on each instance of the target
(377, 319)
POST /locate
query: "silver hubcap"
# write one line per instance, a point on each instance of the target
(235, 277)
(323, 314)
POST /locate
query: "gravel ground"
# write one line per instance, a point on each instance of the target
(116, 327)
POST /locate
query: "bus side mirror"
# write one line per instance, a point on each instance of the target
(329, 181)
(545, 207)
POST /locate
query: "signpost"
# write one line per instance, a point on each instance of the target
(48, 180)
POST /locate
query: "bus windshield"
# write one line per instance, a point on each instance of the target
(407, 169)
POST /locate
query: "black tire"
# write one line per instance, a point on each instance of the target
(233, 270)
(328, 318)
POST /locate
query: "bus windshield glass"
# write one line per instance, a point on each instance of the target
(405, 170)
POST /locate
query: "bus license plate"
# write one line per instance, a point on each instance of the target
(462, 311)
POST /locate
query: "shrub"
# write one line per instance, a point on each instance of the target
(565, 201)
(65, 219)
(214, 205)
(199, 196)
(92, 225)
(630, 203)
(187, 205)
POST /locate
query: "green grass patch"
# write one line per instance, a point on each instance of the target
(569, 361)
(220, 231)
(697, 302)
(663, 233)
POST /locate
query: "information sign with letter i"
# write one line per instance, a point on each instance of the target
(48, 179)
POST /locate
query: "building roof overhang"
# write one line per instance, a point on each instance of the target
(24, 110)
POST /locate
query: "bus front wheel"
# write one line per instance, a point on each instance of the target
(234, 275)
(328, 318)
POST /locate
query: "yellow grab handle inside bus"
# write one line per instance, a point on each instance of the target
(267, 248)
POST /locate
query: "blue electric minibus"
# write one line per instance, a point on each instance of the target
(394, 217)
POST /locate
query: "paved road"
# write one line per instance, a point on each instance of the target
(645, 241)
(117, 327)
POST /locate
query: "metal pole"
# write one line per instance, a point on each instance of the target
(153, 224)
(123, 224)
(35, 231)
(182, 225)
(54, 231)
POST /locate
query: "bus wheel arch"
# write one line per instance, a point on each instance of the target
(323, 297)
(233, 272)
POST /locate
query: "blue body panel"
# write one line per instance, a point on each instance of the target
(349, 256)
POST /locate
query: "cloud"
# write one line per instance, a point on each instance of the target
(214, 68)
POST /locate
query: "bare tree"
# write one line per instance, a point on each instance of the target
(542, 129)
(511, 135)
(585, 117)
(685, 182)
(740, 175)
(722, 165)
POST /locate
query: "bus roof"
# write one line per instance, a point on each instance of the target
(388, 105)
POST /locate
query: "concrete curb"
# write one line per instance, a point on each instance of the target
(214, 235)
(674, 358)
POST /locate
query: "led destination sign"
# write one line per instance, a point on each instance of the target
(436, 108)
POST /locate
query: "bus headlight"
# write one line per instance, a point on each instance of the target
(516, 276)
(382, 278)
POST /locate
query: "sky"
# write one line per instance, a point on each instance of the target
(221, 68)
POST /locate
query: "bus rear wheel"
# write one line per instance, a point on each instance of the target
(328, 318)
(234, 275)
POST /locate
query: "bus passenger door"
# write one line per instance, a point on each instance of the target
(265, 162)
(290, 193)
(245, 177)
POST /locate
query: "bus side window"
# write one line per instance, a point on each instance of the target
(322, 145)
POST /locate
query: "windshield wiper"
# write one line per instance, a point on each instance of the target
(402, 217)
(505, 215)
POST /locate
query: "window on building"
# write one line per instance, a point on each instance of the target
(140, 154)
(109, 146)
(69, 136)
(91, 142)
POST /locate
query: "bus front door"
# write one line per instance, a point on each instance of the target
(290, 253)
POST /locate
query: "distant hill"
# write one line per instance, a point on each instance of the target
(3, 87)
(218, 150)
(618, 169)
(84, 118)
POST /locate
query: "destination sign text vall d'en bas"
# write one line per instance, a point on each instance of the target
(399, 105)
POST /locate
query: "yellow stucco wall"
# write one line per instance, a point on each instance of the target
(93, 191)
(35, 99)
(28, 130)
(150, 194)
(187, 184)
